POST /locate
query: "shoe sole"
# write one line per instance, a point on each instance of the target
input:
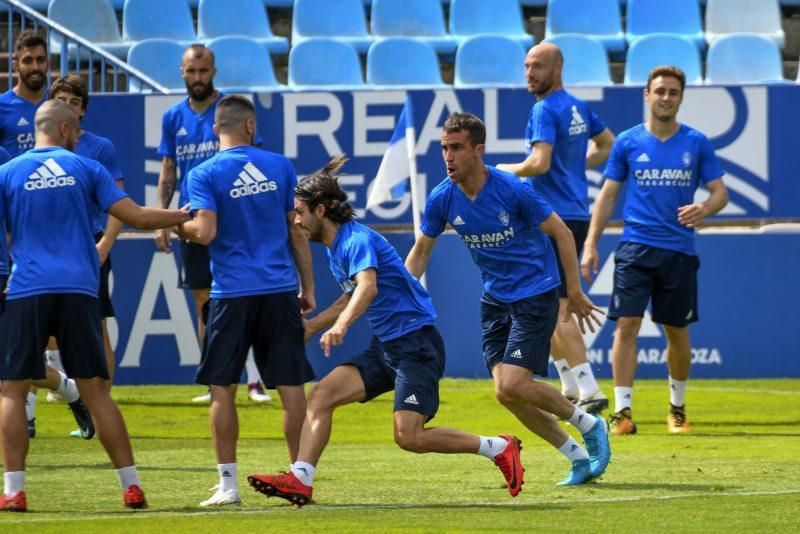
(136, 505)
(297, 499)
(220, 504)
(593, 406)
(522, 477)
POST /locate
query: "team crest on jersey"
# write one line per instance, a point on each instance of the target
(687, 159)
(503, 216)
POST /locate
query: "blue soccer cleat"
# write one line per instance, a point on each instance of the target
(581, 473)
(598, 446)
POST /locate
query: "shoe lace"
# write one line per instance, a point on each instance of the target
(679, 415)
(617, 419)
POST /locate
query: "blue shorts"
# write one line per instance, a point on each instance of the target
(518, 333)
(411, 365)
(27, 323)
(195, 266)
(669, 277)
(579, 230)
(271, 324)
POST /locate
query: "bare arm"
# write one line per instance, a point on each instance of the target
(537, 163)
(302, 258)
(419, 255)
(135, 215)
(325, 318)
(603, 206)
(202, 229)
(112, 231)
(599, 148)
(365, 292)
(692, 215)
(167, 179)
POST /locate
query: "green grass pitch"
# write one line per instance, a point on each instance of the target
(736, 472)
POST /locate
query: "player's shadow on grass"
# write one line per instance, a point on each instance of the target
(710, 424)
(649, 486)
(105, 466)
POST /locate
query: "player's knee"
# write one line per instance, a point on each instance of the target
(628, 326)
(320, 400)
(410, 441)
(507, 392)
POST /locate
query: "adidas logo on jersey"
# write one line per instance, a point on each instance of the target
(251, 181)
(643, 158)
(22, 122)
(458, 221)
(48, 175)
(516, 354)
(577, 125)
(181, 132)
(411, 399)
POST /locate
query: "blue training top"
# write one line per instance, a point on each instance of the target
(16, 122)
(102, 150)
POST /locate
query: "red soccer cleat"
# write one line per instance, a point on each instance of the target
(286, 486)
(13, 503)
(510, 465)
(134, 498)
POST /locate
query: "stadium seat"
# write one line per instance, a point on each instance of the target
(503, 17)
(94, 20)
(421, 19)
(278, 3)
(215, 18)
(743, 58)
(148, 19)
(322, 63)
(585, 60)
(160, 59)
(599, 19)
(419, 64)
(649, 16)
(744, 16)
(243, 65)
(490, 61)
(343, 20)
(533, 3)
(658, 49)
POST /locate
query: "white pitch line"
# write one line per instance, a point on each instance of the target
(318, 508)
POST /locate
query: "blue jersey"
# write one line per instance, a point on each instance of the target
(402, 305)
(46, 199)
(251, 191)
(101, 150)
(16, 123)
(500, 228)
(4, 157)
(567, 124)
(664, 176)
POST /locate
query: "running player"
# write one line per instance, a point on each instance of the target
(53, 289)
(242, 202)
(560, 129)
(505, 224)
(406, 354)
(663, 162)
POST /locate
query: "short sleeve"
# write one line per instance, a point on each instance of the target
(106, 191)
(433, 220)
(596, 124)
(710, 168)
(201, 196)
(617, 165)
(530, 206)
(167, 146)
(5, 156)
(361, 255)
(291, 183)
(543, 126)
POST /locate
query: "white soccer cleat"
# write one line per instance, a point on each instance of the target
(205, 397)
(52, 396)
(223, 498)
(257, 393)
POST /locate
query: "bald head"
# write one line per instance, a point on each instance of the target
(235, 121)
(543, 65)
(52, 114)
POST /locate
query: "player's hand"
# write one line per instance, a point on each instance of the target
(590, 263)
(691, 215)
(163, 239)
(308, 302)
(580, 305)
(102, 251)
(332, 338)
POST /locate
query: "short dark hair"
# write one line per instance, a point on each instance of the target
(72, 84)
(323, 187)
(233, 111)
(29, 39)
(669, 71)
(469, 122)
(198, 50)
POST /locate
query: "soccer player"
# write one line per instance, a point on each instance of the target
(46, 203)
(406, 354)
(187, 140)
(559, 131)
(663, 162)
(242, 199)
(505, 225)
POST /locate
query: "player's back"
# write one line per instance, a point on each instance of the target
(251, 191)
(16, 123)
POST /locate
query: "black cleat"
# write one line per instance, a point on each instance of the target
(594, 404)
(84, 419)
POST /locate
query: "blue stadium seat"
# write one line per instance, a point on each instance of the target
(658, 49)
(243, 65)
(650, 16)
(215, 18)
(599, 19)
(147, 19)
(585, 60)
(94, 20)
(489, 61)
(324, 63)
(422, 19)
(343, 20)
(533, 3)
(744, 16)
(473, 17)
(403, 61)
(743, 58)
(278, 3)
(161, 60)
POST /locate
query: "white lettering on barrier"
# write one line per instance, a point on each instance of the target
(444, 101)
(495, 145)
(364, 123)
(293, 127)
(655, 356)
(162, 274)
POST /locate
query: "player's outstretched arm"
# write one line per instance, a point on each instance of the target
(599, 148)
(365, 292)
(538, 162)
(111, 233)
(325, 318)
(419, 255)
(167, 179)
(202, 229)
(141, 218)
(302, 259)
(603, 206)
(692, 215)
